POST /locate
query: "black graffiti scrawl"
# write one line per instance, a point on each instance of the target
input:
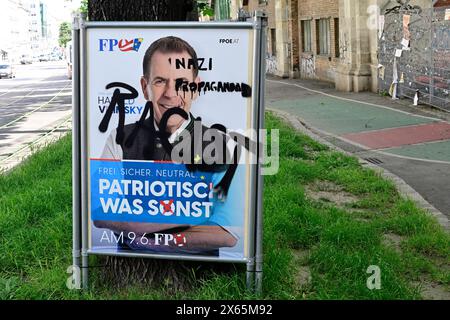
(118, 101)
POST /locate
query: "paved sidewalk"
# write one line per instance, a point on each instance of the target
(411, 142)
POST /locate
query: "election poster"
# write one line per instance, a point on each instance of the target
(170, 120)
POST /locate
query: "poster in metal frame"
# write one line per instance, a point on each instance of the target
(110, 39)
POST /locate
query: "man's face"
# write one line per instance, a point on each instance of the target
(160, 87)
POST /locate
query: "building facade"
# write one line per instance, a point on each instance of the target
(31, 27)
(318, 38)
(329, 40)
(14, 26)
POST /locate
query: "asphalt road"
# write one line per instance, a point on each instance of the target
(34, 106)
(411, 142)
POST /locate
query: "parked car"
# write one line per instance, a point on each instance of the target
(7, 71)
(55, 57)
(44, 57)
(26, 59)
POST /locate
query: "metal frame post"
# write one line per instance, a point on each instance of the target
(431, 91)
(261, 21)
(84, 168)
(255, 208)
(254, 167)
(76, 169)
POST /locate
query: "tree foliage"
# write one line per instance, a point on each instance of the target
(65, 34)
(204, 8)
(84, 6)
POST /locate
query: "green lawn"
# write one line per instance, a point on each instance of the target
(307, 234)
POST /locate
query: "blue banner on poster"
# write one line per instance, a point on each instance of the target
(153, 192)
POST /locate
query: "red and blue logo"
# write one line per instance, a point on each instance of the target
(124, 45)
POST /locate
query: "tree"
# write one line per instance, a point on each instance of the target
(204, 7)
(65, 34)
(142, 10)
(174, 275)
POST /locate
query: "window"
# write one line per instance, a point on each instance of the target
(323, 40)
(273, 41)
(306, 32)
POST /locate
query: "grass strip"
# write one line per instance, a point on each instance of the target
(315, 246)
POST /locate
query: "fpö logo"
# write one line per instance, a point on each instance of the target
(165, 239)
(229, 41)
(124, 45)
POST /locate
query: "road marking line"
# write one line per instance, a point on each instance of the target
(370, 104)
(410, 158)
(27, 131)
(402, 136)
(37, 140)
(365, 149)
(34, 110)
(417, 144)
(390, 128)
(351, 100)
(24, 88)
(11, 90)
(21, 98)
(379, 151)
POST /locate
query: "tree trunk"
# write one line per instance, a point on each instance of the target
(122, 271)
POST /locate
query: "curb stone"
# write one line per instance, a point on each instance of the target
(402, 187)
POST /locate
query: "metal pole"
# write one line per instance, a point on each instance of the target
(431, 91)
(262, 22)
(250, 275)
(84, 155)
(76, 191)
(254, 167)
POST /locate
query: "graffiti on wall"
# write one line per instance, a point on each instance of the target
(271, 64)
(308, 66)
(418, 40)
(343, 46)
(404, 7)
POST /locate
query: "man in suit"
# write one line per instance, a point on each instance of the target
(154, 137)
